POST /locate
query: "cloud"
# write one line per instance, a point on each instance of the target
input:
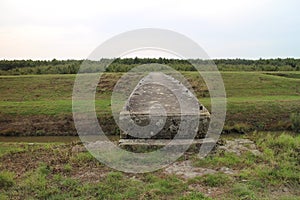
(72, 29)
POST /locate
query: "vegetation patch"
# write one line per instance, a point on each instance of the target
(295, 119)
(42, 104)
(53, 171)
(216, 180)
(6, 179)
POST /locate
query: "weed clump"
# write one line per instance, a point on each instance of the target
(243, 191)
(195, 196)
(6, 179)
(295, 119)
(216, 180)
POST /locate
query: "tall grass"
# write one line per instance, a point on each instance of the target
(295, 119)
(6, 179)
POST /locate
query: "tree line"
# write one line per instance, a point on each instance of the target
(20, 67)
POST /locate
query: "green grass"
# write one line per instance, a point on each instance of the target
(67, 168)
(228, 159)
(36, 87)
(6, 179)
(295, 118)
(276, 167)
(48, 107)
(52, 169)
(195, 196)
(282, 155)
(216, 180)
(286, 74)
(242, 191)
(252, 86)
(82, 158)
(9, 148)
(257, 100)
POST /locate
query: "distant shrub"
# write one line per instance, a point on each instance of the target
(295, 119)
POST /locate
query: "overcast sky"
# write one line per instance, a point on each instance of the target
(73, 29)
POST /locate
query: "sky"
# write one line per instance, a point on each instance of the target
(60, 29)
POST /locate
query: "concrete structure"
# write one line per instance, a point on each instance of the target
(156, 110)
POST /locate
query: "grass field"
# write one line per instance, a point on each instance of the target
(256, 101)
(54, 171)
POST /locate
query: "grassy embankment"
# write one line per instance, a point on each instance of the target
(53, 171)
(41, 104)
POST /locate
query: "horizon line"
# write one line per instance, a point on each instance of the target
(216, 58)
